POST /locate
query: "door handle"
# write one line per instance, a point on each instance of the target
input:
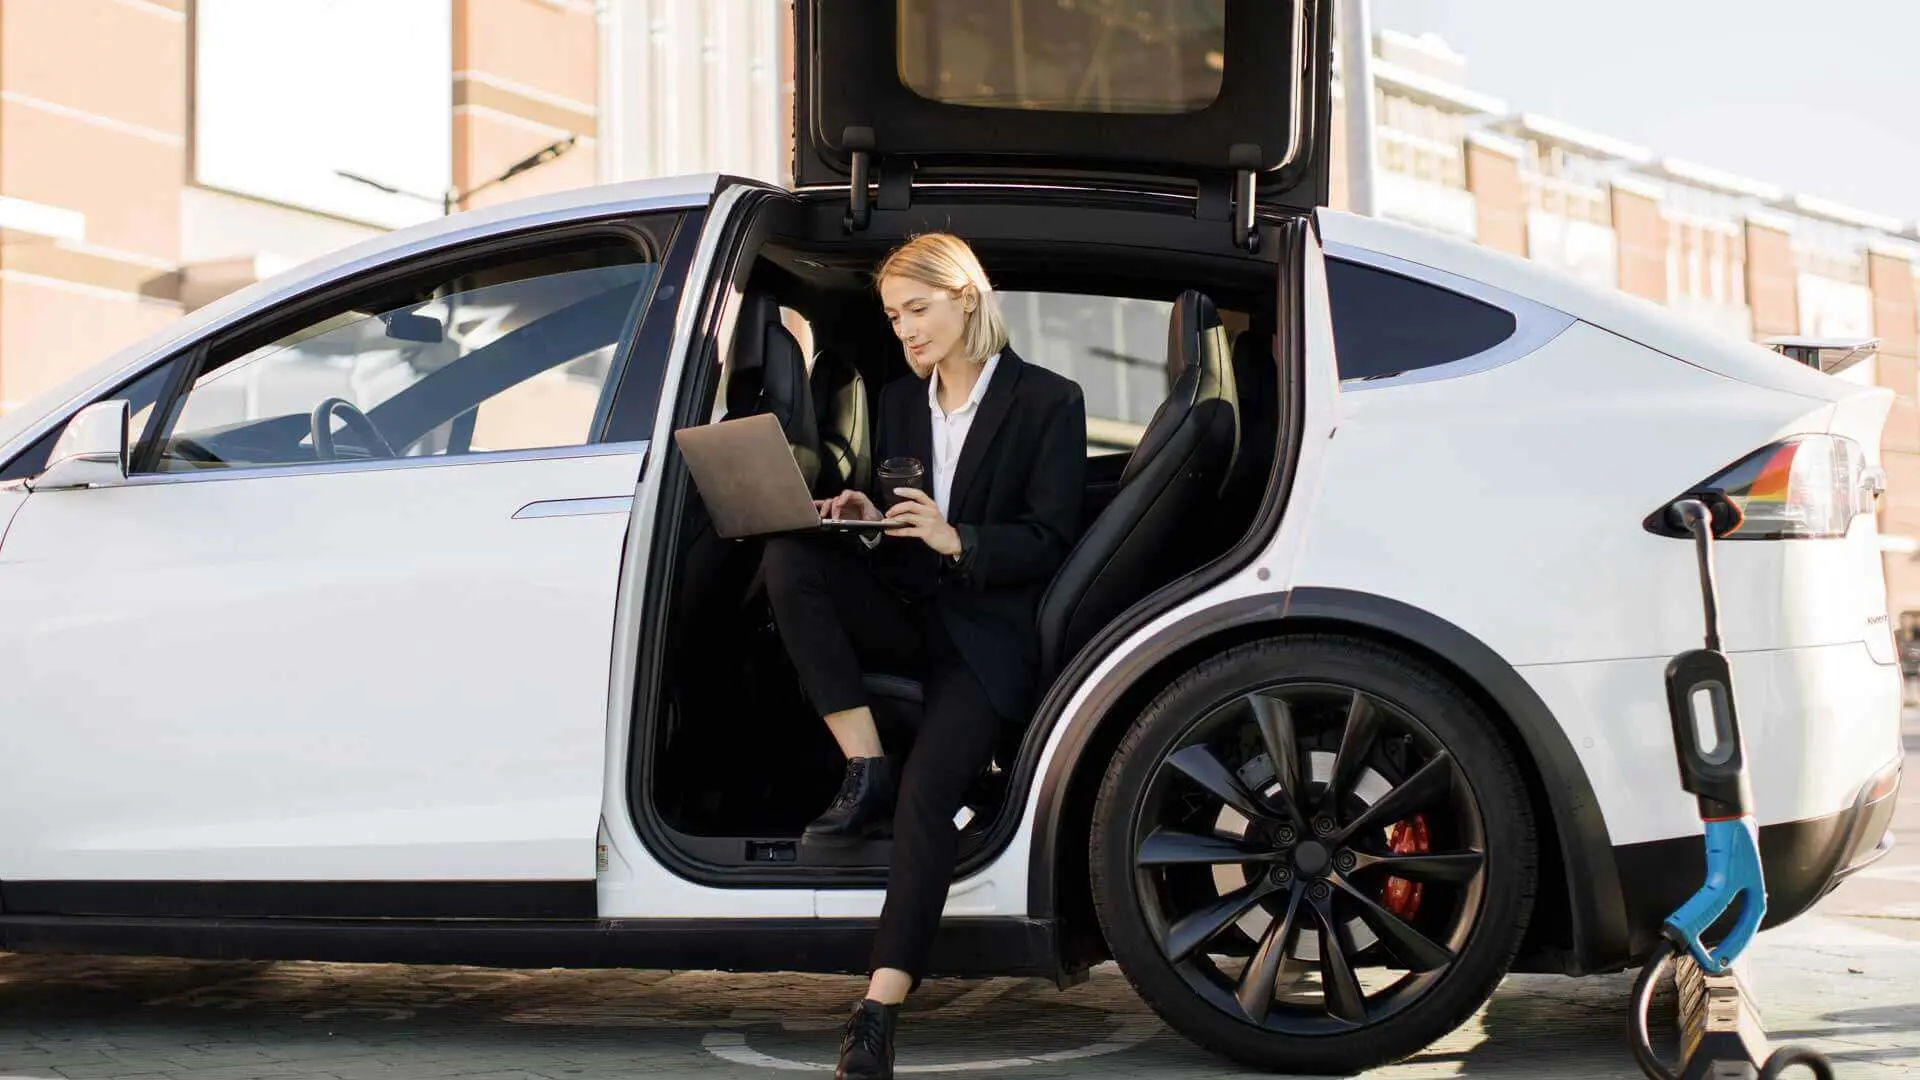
(552, 508)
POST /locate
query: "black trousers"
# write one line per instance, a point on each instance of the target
(837, 619)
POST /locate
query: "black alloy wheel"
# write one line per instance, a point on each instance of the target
(1313, 854)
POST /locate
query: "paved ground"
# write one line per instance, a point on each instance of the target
(1845, 979)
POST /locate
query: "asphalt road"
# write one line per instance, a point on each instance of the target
(1845, 978)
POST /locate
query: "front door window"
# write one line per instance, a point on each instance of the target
(513, 355)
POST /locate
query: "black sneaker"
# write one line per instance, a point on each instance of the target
(867, 1051)
(864, 807)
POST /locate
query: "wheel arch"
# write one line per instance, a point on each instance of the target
(1580, 919)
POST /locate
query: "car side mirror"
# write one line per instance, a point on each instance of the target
(91, 451)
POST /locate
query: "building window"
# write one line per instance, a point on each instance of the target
(1706, 253)
(1829, 249)
(1568, 184)
(1421, 140)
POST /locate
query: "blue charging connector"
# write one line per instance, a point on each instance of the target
(1713, 768)
(1733, 877)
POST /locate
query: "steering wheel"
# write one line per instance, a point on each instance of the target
(352, 417)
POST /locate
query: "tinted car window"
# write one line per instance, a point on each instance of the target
(1385, 324)
(1111, 56)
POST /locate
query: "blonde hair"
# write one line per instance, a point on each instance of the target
(944, 261)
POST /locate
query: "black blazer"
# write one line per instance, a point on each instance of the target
(1015, 502)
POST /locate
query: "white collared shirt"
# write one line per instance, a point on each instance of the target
(950, 431)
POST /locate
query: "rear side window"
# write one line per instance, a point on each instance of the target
(1386, 324)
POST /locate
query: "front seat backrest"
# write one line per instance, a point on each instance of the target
(1154, 529)
(769, 375)
(846, 438)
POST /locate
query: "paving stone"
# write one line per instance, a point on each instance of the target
(1836, 982)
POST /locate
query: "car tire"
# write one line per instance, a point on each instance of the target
(1421, 727)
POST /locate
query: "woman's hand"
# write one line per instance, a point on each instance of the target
(848, 506)
(924, 521)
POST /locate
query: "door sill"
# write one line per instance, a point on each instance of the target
(853, 864)
(969, 947)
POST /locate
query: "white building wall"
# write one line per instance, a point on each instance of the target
(1584, 249)
(1408, 199)
(693, 87)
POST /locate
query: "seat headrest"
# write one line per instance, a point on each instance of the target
(784, 382)
(1197, 367)
(746, 368)
(767, 373)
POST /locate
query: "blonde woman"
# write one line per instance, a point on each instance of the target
(950, 593)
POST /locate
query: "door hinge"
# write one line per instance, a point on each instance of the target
(896, 184)
(895, 179)
(859, 144)
(1244, 159)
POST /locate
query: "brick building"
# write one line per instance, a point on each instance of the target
(156, 154)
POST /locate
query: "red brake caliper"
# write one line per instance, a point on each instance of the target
(1409, 837)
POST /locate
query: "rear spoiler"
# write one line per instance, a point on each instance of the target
(1829, 355)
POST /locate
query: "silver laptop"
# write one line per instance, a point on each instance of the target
(752, 486)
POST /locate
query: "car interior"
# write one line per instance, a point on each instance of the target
(740, 761)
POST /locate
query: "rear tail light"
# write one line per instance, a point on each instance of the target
(1803, 488)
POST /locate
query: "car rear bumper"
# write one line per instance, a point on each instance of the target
(1816, 722)
(1803, 860)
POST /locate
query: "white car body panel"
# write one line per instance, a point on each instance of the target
(371, 672)
(12, 498)
(1515, 496)
(486, 653)
(633, 883)
(1503, 492)
(1508, 500)
(1812, 721)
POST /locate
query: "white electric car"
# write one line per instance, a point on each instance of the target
(370, 613)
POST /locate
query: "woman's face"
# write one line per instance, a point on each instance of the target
(928, 320)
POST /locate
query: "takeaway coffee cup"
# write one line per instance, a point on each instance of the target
(899, 472)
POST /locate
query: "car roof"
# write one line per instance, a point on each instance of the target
(1632, 317)
(560, 207)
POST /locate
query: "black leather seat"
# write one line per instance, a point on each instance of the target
(768, 374)
(841, 411)
(718, 580)
(1153, 530)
